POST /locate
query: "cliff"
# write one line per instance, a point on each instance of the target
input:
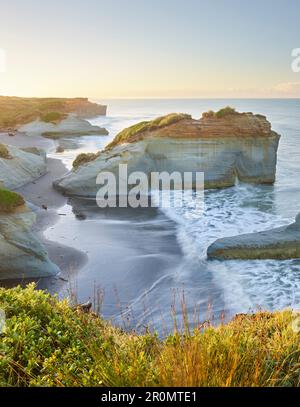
(225, 147)
(16, 111)
(279, 243)
(20, 166)
(21, 253)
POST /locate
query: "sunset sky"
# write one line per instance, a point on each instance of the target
(143, 48)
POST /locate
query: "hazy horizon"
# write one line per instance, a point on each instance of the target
(136, 49)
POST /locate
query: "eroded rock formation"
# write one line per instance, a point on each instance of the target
(225, 147)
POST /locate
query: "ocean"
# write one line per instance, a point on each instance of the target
(148, 266)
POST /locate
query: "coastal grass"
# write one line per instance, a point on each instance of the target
(9, 200)
(4, 153)
(46, 342)
(130, 133)
(15, 111)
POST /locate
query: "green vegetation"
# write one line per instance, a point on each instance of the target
(226, 111)
(52, 117)
(15, 111)
(4, 153)
(84, 158)
(9, 200)
(129, 134)
(48, 343)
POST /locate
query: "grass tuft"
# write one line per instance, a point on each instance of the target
(226, 111)
(52, 117)
(84, 158)
(126, 135)
(10, 201)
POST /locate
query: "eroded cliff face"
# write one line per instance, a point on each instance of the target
(238, 146)
(71, 126)
(21, 166)
(21, 254)
(279, 243)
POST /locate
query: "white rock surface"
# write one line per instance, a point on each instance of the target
(70, 126)
(23, 166)
(21, 254)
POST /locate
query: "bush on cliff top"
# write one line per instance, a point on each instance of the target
(226, 111)
(9, 200)
(52, 117)
(48, 343)
(130, 132)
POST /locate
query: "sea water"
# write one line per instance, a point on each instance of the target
(150, 264)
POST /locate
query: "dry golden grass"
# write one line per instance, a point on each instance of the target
(46, 342)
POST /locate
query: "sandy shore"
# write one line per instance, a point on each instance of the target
(41, 193)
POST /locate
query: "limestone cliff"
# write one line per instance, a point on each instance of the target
(70, 126)
(225, 147)
(21, 254)
(280, 243)
(21, 166)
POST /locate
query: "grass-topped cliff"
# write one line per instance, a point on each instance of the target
(130, 133)
(10, 201)
(15, 111)
(46, 342)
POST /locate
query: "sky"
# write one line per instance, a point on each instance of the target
(149, 48)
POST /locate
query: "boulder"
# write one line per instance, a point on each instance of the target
(21, 254)
(21, 166)
(226, 147)
(279, 243)
(69, 127)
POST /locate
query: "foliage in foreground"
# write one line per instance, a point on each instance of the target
(48, 343)
(9, 200)
(129, 134)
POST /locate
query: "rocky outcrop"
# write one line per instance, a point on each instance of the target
(17, 111)
(84, 108)
(69, 127)
(21, 254)
(225, 147)
(280, 243)
(21, 166)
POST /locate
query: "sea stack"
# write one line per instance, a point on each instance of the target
(280, 243)
(225, 145)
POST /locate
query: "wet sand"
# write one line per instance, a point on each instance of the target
(41, 193)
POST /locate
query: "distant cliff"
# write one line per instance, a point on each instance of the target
(16, 111)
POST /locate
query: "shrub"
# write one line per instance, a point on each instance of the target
(226, 111)
(84, 158)
(52, 117)
(4, 153)
(131, 132)
(48, 343)
(9, 200)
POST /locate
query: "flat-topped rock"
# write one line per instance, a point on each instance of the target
(69, 127)
(279, 243)
(225, 146)
(21, 166)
